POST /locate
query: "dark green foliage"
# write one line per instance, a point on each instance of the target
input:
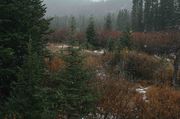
(25, 100)
(72, 25)
(6, 71)
(123, 20)
(108, 23)
(137, 15)
(124, 43)
(156, 15)
(79, 98)
(110, 44)
(91, 33)
(126, 40)
(72, 29)
(177, 13)
(147, 14)
(18, 20)
(166, 14)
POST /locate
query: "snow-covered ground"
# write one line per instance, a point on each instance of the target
(95, 52)
(57, 47)
(143, 91)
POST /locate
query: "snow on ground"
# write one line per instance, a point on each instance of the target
(62, 46)
(95, 52)
(57, 47)
(100, 52)
(157, 57)
(168, 60)
(101, 74)
(143, 92)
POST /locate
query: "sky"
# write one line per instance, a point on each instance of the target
(81, 7)
(97, 0)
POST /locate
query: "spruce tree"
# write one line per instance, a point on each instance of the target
(123, 20)
(79, 98)
(166, 12)
(108, 23)
(25, 101)
(177, 14)
(72, 29)
(19, 19)
(151, 15)
(137, 15)
(155, 15)
(126, 40)
(91, 33)
(148, 15)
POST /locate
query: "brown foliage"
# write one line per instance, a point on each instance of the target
(164, 103)
(145, 66)
(109, 34)
(140, 65)
(59, 35)
(120, 100)
(104, 36)
(157, 42)
(63, 35)
(80, 37)
(54, 64)
(116, 98)
(93, 61)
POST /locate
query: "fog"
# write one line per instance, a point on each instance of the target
(85, 7)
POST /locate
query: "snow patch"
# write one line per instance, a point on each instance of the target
(95, 52)
(62, 46)
(143, 91)
(157, 57)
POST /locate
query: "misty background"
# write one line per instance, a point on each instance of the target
(85, 7)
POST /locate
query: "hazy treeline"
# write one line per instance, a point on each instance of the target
(155, 15)
(119, 21)
(146, 15)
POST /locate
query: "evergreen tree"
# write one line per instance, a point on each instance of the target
(151, 15)
(123, 20)
(166, 12)
(155, 16)
(114, 20)
(79, 98)
(72, 29)
(177, 14)
(137, 15)
(91, 33)
(126, 40)
(18, 19)
(110, 44)
(148, 15)
(108, 23)
(25, 101)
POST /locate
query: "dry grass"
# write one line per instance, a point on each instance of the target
(156, 42)
(116, 98)
(93, 61)
(147, 66)
(54, 64)
(164, 103)
(119, 99)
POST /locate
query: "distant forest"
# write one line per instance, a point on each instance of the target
(146, 15)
